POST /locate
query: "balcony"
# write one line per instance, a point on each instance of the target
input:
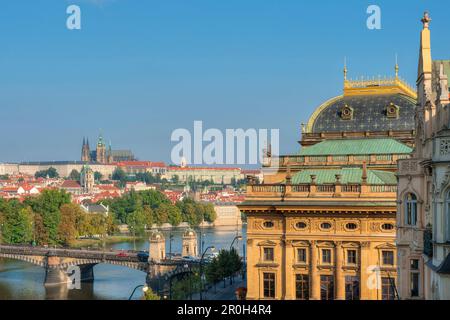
(295, 160)
(321, 191)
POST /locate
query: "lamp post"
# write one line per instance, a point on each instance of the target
(144, 289)
(231, 247)
(170, 244)
(235, 238)
(201, 270)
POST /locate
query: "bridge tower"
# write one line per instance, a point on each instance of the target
(190, 243)
(157, 248)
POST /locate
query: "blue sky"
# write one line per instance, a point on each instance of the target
(140, 69)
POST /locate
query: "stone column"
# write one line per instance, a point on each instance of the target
(314, 276)
(289, 278)
(339, 277)
(365, 291)
(54, 275)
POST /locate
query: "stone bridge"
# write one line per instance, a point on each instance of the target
(58, 262)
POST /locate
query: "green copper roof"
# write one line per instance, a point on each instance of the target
(356, 147)
(348, 176)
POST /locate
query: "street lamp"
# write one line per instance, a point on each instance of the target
(170, 244)
(201, 270)
(235, 238)
(144, 289)
(231, 247)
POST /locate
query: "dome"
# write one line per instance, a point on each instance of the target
(364, 113)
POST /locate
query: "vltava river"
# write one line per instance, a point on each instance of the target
(22, 280)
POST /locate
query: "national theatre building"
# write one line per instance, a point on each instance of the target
(322, 226)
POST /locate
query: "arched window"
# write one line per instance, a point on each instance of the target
(411, 209)
(447, 217)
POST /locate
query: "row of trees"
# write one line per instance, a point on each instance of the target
(50, 219)
(142, 209)
(50, 172)
(224, 266)
(121, 176)
(75, 175)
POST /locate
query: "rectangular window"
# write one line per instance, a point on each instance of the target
(326, 256)
(414, 264)
(415, 278)
(351, 288)
(351, 257)
(302, 286)
(301, 255)
(268, 254)
(388, 258)
(326, 288)
(269, 285)
(387, 288)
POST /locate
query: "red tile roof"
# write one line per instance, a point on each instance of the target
(149, 164)
(70, 184)
(203, 168)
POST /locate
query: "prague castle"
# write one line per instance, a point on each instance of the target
(323, 224)
(102, 155)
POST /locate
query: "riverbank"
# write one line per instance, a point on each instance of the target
(79, 243)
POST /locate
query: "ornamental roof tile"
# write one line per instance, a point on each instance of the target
(348, 176)
(356, 147)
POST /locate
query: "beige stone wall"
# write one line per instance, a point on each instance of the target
(369, 240)
(63, 170)
(227, 215)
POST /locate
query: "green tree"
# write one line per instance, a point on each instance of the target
(18, 226)
(148, 211)
(209, 213)
(50, 172)
(150, 295)
(48, 205)
(175, 179)
(171, 214)
(74, 175)
(137, 221)
(161, 215)
(97, 176)
(67, 231)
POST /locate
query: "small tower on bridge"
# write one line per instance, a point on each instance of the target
(190, 243)
(157, 248)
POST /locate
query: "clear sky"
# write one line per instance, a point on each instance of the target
(140, 69)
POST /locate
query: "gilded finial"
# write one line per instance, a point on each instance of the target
(396, 66)
(345, 69)
(426, 20)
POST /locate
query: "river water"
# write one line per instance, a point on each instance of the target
(22, 280)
